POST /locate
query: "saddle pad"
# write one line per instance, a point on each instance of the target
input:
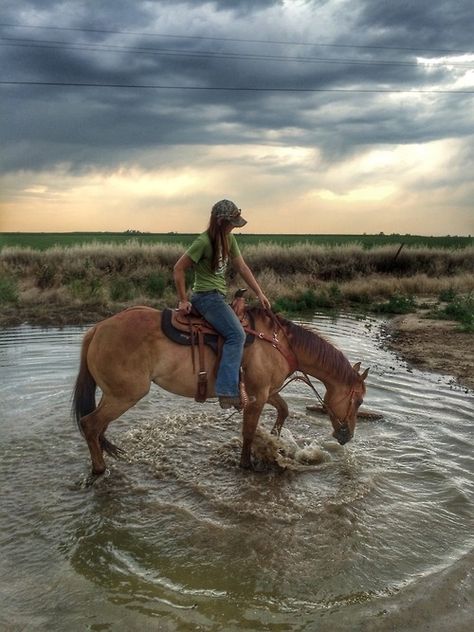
(183, 338)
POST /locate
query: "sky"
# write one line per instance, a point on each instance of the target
(315, 116)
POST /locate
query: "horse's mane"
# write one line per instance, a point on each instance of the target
(308, 341)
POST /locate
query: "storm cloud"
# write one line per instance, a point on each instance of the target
(88, 86)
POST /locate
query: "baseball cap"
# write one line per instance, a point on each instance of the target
(225, 209)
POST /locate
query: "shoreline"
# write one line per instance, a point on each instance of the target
(433, 345)
(56, 316)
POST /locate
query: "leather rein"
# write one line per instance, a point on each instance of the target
(288, 354)
(293, 365)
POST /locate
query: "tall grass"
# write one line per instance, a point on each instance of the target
(8, 290)
(56, 265)
(350, 261)
(295, 278)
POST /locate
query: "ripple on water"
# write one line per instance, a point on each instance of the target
(178, 531)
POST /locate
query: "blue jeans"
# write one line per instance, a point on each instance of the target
(212, 305)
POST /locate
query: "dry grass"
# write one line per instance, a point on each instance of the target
(342, 263)
(377, 286)
(108, 277)
(326, 263)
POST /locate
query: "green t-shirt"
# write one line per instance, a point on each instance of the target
(205, 278)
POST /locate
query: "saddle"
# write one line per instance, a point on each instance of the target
(194, 331)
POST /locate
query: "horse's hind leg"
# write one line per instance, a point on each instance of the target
(281, 406)
(95, 424)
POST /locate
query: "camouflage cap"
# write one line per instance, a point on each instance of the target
(225, 209)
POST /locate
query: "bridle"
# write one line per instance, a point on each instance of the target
(292, 361)
(343, 424)
(288, 354)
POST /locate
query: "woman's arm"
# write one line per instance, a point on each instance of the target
(179, 276)
(247, 275)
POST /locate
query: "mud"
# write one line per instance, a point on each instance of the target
(436, 345)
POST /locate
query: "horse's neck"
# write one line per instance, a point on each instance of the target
(328, 366)
(318, 371)
(315, 355)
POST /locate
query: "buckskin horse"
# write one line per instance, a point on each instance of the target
(125, 353)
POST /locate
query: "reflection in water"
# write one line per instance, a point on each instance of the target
(324, 535)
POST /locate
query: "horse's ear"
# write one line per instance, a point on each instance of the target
(356, 367)
(365, 373)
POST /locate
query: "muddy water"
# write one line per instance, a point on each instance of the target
(375, 535)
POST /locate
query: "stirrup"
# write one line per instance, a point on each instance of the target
(227, 401)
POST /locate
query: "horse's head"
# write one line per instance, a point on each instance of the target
(342, 403)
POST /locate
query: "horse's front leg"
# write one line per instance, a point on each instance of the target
(281, 406)
(251, 416)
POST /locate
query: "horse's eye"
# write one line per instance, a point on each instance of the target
(359, 402)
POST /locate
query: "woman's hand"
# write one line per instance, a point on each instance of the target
(264, 301)
(247, 275)
(184, 307)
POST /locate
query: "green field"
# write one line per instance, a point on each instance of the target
(43, 241)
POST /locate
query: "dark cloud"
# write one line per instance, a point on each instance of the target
(433, 24)
(42, 125)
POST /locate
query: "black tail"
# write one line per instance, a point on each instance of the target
(83, 401)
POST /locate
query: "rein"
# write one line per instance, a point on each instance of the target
(293, 364)
(305, 379)
(289, 357)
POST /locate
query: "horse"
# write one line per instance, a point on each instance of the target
(125, 353)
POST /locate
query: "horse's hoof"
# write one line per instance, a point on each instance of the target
(259, 466)
(246, 465)
(90, 480)
(86, 482)
(95, 474)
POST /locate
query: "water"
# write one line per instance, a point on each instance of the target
(375, 535)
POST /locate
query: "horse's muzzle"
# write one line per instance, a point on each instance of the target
(343, 435)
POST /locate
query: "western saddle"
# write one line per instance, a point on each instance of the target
(194, 331)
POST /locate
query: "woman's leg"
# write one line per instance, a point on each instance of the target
(213, 307)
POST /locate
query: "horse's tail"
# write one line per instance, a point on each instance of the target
(83, 401)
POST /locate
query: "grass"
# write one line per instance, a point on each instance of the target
(297, 278)
(8, 291)
(456, 307)
(44, 241)
(397, 304)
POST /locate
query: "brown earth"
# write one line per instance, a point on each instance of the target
(436, 345)
(54, 315)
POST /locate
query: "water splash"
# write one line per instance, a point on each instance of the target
(160, 444)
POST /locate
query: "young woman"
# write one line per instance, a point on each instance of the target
(210, 254)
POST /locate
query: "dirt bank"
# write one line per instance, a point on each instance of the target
(436, 345)
(55, 315)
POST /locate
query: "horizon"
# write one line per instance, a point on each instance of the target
(134, 233)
